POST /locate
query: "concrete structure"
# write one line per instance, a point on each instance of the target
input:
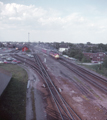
(5, 78)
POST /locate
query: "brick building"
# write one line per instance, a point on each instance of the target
(95, 57)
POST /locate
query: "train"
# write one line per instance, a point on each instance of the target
(52, 53)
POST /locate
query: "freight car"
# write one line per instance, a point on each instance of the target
(46, 51)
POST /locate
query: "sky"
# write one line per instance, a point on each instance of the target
(74, 21)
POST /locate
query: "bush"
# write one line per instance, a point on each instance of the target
(28, 51)
(84, 59)
(105, 63)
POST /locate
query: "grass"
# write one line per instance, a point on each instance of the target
(84, 97)
(77, 79)
(64, 81)
(13, 99)
(103, 96)
(99, 109)
(33, 104)
(91, 90)
(96, 68)
(97, 96)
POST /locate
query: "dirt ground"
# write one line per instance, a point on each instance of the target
(40, 106)
(91, 105)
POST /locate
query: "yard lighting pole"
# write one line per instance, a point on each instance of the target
(28, 38)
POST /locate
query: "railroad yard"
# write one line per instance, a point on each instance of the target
(58, 88)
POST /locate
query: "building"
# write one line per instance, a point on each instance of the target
(25, 48)
(95, 57)
(1, 45)
(63, 48)
(22, 47)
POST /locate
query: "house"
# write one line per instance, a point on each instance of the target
(22, 47)
(95, 57)
(5, 78)
(11, 45)
(1, 45)
(63, 48)
(25, 48)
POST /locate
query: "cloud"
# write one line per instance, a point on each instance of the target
(50, 23)
(12, 13)
(30, 15)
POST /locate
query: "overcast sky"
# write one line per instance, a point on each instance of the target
(75, 21)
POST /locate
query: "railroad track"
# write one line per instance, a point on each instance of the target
(88, 72)
(14, 51)
(80, 87)
(60, 102)
(29, 62)
(87, 76)
(64, 109)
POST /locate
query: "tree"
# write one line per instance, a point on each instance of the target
(85, 59)
(71, 45)
(79, 56)
(101, 47)
(94, 49)
(105, 62)
(76, 53)
(57, 46)
(72, 53)
(89, 43)
(88, 49)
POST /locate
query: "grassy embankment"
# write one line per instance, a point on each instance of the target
(13, 99)
(97, 68)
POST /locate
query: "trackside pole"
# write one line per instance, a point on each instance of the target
(28, 84)
(44, 60)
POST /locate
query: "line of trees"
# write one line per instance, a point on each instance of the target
(77, 53)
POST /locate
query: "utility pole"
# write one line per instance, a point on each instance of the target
(28, 38)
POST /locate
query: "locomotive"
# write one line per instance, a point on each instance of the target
(53, 54)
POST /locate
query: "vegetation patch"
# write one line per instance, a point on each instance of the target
(84, 97)
(97, 96)
(103, 96)
(91, 90)
(98, 68)
(33, 104)
(28, 51)
(77, 79)
(64, 81)
(13, 99)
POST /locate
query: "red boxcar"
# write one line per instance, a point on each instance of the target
(44, 50)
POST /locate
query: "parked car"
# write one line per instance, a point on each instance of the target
(1, 61)
(31, 56)
(3, 57)
(28, 55)
(6, 61)
(16, 61)
(9, 59)
(24, 53)
(13, 59)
